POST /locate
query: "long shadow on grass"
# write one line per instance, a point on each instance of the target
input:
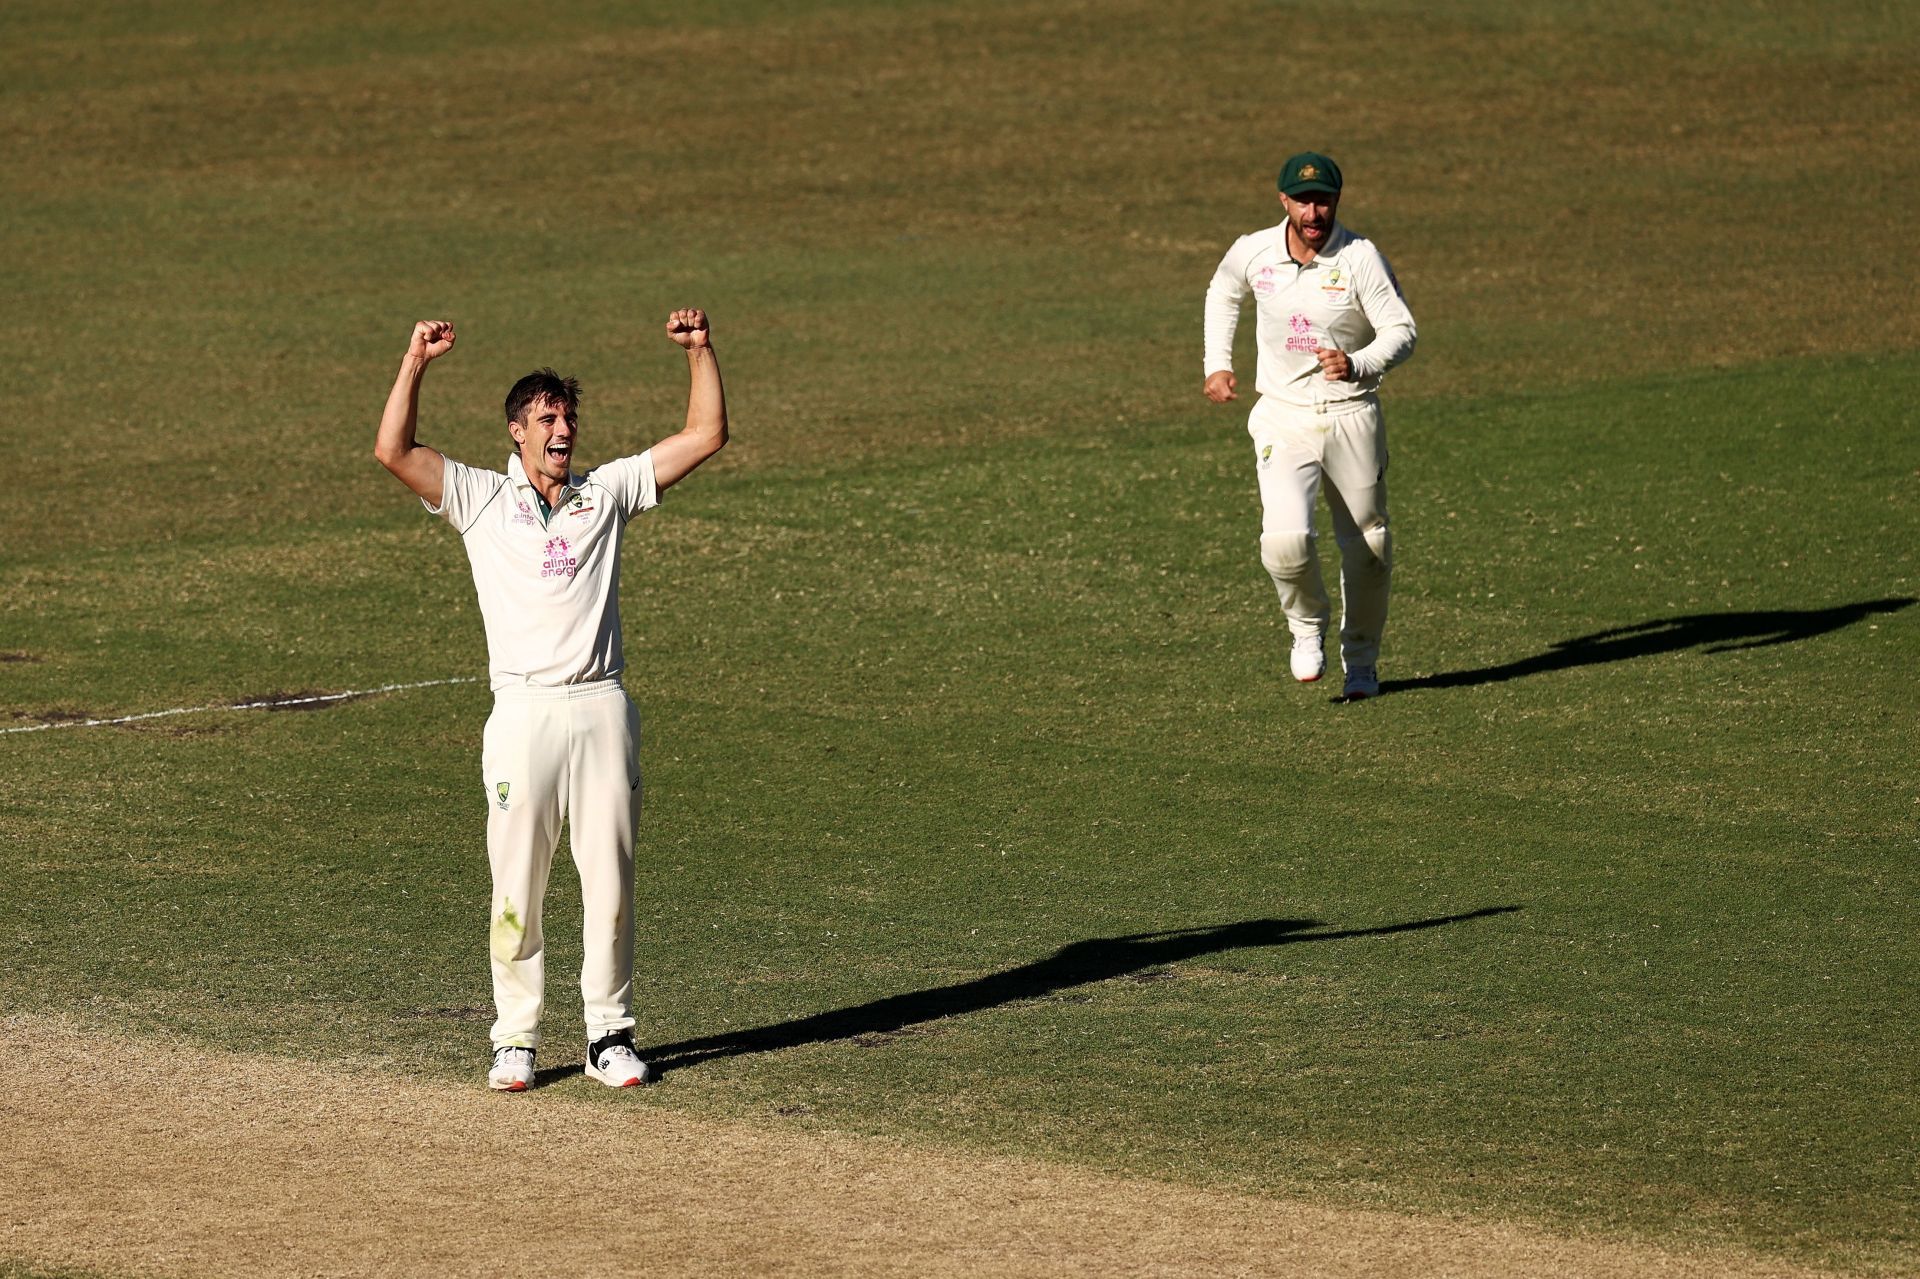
(1078, 964)
(1711, 632)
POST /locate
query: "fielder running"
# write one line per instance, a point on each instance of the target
(1331, 322)
(562, 741)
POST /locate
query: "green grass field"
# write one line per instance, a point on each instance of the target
(981, 810)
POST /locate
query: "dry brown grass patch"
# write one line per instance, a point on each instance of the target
(156, 1158)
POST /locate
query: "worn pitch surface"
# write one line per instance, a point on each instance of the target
(158, 1158)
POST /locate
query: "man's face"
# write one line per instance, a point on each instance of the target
(1310, 214)
(546, 439)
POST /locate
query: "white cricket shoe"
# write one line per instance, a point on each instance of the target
(614, 1063)
(1362, 682)
(1309, 659)
(512, 1069)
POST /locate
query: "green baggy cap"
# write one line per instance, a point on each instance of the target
(1309, 171)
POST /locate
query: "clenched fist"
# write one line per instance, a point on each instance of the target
(688, 328)
(1334, 363)
(431, 339)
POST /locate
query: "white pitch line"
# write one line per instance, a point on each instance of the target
(269, 704)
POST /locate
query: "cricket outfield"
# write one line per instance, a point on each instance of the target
(1004, 907)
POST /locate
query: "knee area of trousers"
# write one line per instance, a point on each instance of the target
(507, 939)
(604, 921)
(1286, 554)
(1378, 542)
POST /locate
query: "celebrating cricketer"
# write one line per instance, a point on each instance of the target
(562, 741)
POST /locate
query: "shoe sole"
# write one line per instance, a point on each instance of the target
(515, 1086)
(1307, 679)
(616, 1083)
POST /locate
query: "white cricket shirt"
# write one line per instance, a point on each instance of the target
(549, 587)
(1346, 298)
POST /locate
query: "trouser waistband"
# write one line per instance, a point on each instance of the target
(556, 692)
(1270, 408)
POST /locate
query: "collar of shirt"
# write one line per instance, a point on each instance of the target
(517, 474)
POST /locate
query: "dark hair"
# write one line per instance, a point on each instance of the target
(543, 384)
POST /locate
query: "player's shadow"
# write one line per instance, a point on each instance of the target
(1080, 963)
(1710, 632)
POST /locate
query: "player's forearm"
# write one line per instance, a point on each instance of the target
(1221, 322)
(398, 422)
(706, 430)
(706, 400)
(1386, 310)
(1390, 346)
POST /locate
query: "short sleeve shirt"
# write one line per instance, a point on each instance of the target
(549, 584)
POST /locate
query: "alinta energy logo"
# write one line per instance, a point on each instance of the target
(560, 561)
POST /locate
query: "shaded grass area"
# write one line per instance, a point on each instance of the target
(934, 742)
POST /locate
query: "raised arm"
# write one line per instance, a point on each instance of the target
(412, 463)
(706, 429)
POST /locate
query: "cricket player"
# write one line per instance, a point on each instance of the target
(1331, 322)
(562, 741)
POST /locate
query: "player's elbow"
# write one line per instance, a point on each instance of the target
(399, 460)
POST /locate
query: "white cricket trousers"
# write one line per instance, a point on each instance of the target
(554, 754)
(1345, 444)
